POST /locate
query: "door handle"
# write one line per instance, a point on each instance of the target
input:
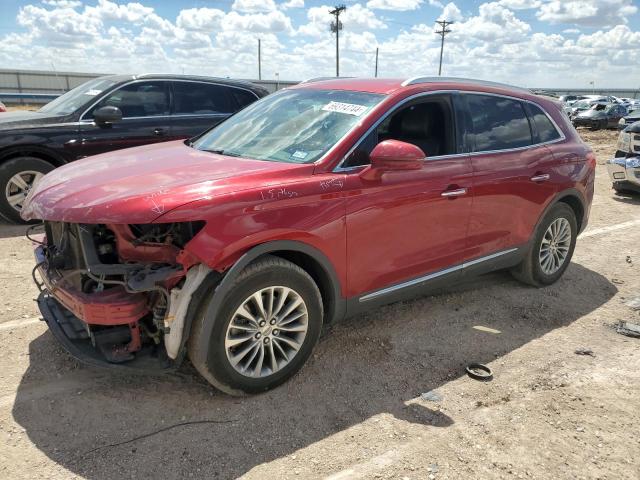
(159, 131)
(542, 177)
(454, 193)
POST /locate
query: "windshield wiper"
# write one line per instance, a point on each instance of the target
(222, 152)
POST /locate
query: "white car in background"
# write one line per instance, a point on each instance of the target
(624, 169)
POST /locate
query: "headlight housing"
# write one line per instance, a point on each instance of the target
(622, 121)
(633, 162)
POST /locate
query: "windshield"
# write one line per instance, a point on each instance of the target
(76, 98)
(297, 126)
(582, 104)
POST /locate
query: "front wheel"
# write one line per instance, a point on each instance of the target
(552, 248)
(17, 178)
(264, 331)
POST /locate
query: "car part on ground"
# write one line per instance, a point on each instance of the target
(110, 113)
(236, 248)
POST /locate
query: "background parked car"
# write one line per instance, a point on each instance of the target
(632, 117)
(600, 115)
(109, 113)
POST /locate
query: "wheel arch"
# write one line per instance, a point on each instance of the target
(312, 260)
(42, 153)
(575, 200)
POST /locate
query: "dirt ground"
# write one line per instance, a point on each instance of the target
(355, 410)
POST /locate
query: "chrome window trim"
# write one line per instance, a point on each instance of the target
(431, 276)
(339, 167)
(139, 79)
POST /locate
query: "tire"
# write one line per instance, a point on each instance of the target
(212, 356)
(31, 168)
(532, 270)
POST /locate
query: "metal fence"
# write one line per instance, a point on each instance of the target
(39, 86)
(36, 87)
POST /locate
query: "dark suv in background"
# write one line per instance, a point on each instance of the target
(109, 113)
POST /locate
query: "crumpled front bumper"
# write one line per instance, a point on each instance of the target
(114, 306)
(623, 173)
(74, 337)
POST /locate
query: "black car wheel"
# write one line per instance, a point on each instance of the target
(551, 248)
(17, 178)
(264, 332)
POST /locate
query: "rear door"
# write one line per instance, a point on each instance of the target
(145, 118)
(513, 174)
(198, 106)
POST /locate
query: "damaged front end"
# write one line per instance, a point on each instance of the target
(118, 294)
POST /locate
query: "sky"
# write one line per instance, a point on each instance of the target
(535, 43)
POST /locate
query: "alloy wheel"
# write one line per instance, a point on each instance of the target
(555, 245)
(266, 331)
(19, 185)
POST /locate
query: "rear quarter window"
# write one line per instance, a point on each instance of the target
(547, 131)
(199, 98)
(499, 123)
(243, 97)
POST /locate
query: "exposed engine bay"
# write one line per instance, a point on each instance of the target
(116, 282)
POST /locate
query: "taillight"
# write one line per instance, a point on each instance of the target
(591, 159)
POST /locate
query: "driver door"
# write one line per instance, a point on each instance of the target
(407, 227)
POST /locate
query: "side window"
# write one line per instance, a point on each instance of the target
(546, 130)
(141, 99)
(243, 97)
(499, 123)
(196, 98)
(428, 124)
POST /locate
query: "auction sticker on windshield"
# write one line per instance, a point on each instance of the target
(348, 108)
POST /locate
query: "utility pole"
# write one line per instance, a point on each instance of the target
(336, 27)
(259, 62)
(444, 24)
(376, 74)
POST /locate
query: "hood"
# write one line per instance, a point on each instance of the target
(26, 119)
(138, 185)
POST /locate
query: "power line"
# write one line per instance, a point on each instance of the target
(336, 26)
(443, 32)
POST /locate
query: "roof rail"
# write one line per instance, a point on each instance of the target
(471, 81)
(320, 79)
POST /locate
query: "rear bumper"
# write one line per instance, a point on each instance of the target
(75, 337)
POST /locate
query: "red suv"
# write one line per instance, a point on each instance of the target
(310, 205)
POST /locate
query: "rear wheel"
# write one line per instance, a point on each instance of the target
(552, 248)
(265, 329)
(17, 178)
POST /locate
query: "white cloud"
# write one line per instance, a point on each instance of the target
(494, 23)
(356, 18)
(207, 19)
(293, 4)
(520, 4)
(493, 41)
(397, 5)
(451, 12)
(62, 3)
(587, 12)
(253, 6)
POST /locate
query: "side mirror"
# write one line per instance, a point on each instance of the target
(107, 115)
(393, 155)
